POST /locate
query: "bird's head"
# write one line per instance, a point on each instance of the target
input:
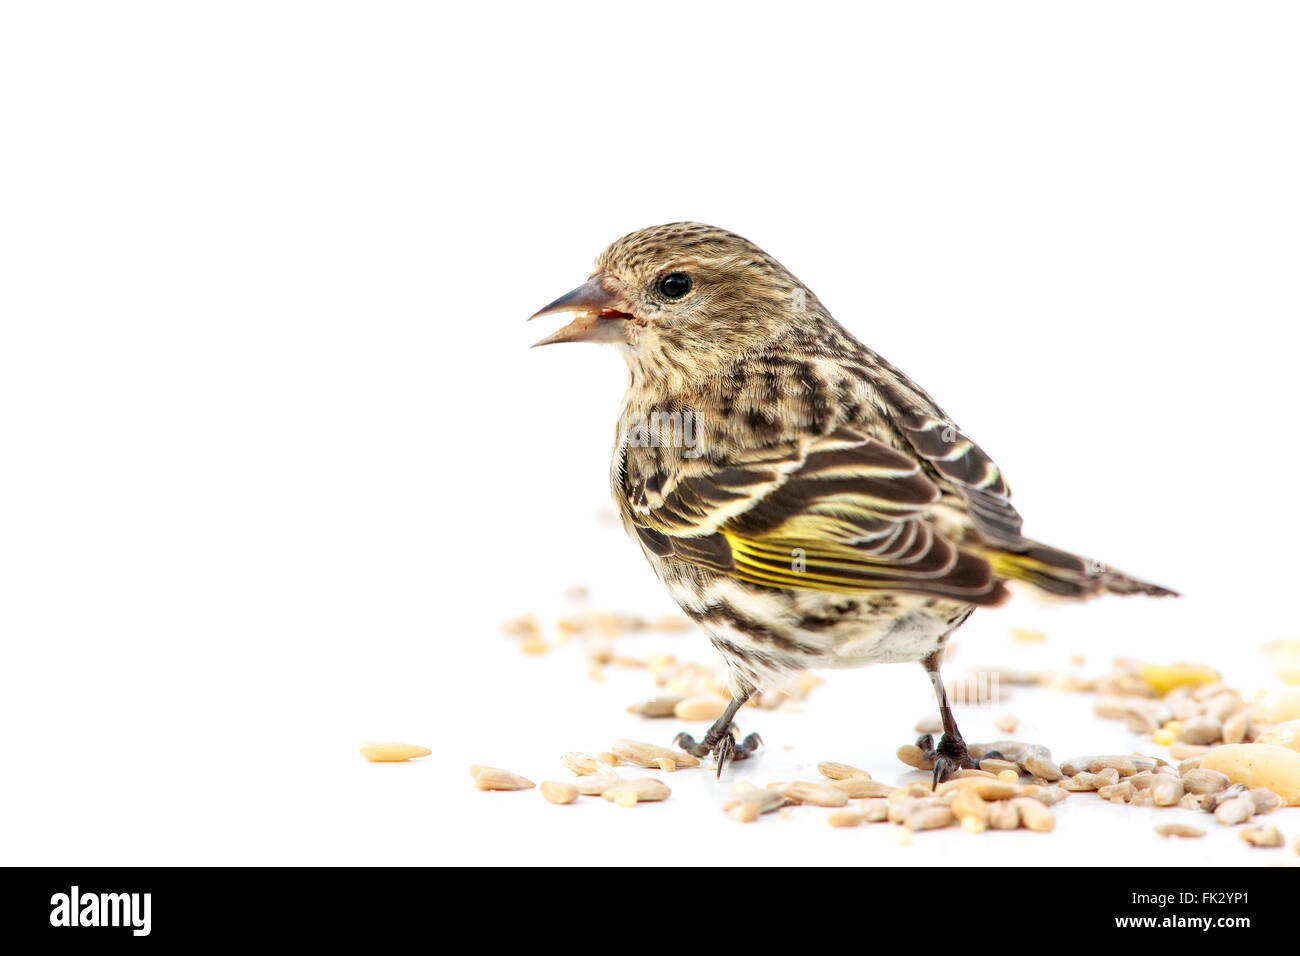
(683, 297)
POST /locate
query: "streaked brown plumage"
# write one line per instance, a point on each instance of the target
(801, 498)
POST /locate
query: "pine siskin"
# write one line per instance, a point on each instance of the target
(800, 498)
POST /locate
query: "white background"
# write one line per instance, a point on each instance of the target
(278, 461)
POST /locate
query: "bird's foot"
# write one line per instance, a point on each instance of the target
(724, 748)
(950, 756)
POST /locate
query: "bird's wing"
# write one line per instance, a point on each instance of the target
(974, 475)
(841, 513)
(963, 466)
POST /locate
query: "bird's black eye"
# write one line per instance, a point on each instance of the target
(675, 285)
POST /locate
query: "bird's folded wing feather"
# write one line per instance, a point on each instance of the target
(841, 513)
(977, 479)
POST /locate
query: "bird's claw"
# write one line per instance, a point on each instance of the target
(724, 749)
(950, 756)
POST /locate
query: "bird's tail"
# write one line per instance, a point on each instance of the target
(1068, 575)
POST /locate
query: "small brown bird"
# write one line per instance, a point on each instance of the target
(801, 498)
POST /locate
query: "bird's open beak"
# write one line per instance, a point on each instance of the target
(599, 317)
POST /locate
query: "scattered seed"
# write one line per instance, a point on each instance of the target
(840, 771)
(1116, 793)
(994, 766)
(1167, 793)
(656, 706)
(1143, 779)
(1265, 800)
(1201, 730)
(845, 818)
(1262, 836)
(968, 803)
(1013, 750)
(1047, 796)
(1042, 766)
(913, 756)
(521, 626)
(1179, 830)
(1204, 781)
(766, 799)
(875, 811)
(1007, 723)
(914, 789)
(985, 787)
(818, 794)
(855, 787)
(746, 807)
(642, 754)
(1163, 679)
(1107, 777)
(580, 763)
(494, 778)
(1111, 708)
(1033, 815)
(929, 818)
(1081, 782)
(1234, 811)
(700, 708)
(1213, 800)
(556, 792)
(1123, 766)
(1235, 727)
(595, 785)
(628, 793)
(1140, 721)
(1004, 815)
(1024, 635)
(390, 751)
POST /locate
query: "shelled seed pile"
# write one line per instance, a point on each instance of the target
(1235, 759)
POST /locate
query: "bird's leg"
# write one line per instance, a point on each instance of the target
(721, 738)
(951, 755)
